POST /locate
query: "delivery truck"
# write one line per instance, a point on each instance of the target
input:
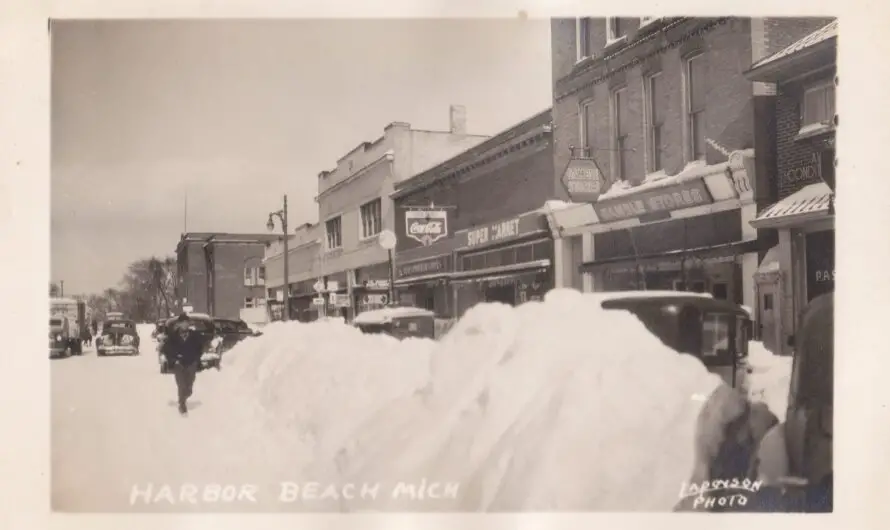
(74, 311)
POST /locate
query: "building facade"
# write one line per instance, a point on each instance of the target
(304, 264)
(472, 229)
(800, 266)
(354, 207)
(654, 141)
(220, 274)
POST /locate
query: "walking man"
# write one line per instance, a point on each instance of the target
(183, 348)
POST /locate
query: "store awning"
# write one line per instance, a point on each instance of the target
(413, 280)
(807, 204)
(498, 273)
(737, 248)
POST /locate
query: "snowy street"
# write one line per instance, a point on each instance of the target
(319, 417)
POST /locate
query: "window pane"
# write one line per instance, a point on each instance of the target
(715, 338)
(656, 148)
(583, 37)
(656, 113)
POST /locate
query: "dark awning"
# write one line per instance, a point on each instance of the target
(712, 252)
(498, 273)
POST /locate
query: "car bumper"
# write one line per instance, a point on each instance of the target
(54, 351)
(116, 349)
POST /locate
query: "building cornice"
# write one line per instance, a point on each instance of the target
(388, 156)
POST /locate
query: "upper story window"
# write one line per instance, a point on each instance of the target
(817, 107)
(620, 125)
(372, 220)
(653, 89)
(254, 276)
(694, 85)
(616, 29)
(588, 127)
(333, 229)
(582, 39)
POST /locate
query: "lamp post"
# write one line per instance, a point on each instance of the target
(387, 240)
(282, 216)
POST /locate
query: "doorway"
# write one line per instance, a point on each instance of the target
(769, 315)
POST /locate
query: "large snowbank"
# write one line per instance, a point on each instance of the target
(770, 378)
(551, 405)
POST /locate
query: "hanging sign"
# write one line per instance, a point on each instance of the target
(583, 180)
(426, 226)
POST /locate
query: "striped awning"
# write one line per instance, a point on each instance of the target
(807, 204)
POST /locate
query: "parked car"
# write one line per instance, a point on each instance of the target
(398, 321)
(232, 331)
(204, 325)
(714, 331)
(59, 343)
(118, 336)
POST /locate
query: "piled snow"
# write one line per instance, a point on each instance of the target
(770, 378)
(551, 405)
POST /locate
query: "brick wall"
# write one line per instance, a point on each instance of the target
(729, 102)
(520, 182)
(792, 153)
(229, 288)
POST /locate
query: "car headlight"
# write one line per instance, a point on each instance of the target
(59, 338)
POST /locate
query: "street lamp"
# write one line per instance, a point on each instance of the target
(282, 216)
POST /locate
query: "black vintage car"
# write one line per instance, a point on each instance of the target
(232, 332)
(118, 336)
(714, 331)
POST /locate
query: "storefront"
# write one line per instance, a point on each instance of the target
(425, 283)
(371, 288)
(686, 232)
(509, 261)
(301, 307)
(800, 267)
(336, 289)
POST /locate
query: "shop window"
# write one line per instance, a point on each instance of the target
(372, 221)
(720, 291)
(817, 109)
(524, 254)
(333, 230)
(654, 88)
(694, 84)
(541, 251)
(250, 302)
(583, 46)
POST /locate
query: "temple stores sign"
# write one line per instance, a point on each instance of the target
(660, 200)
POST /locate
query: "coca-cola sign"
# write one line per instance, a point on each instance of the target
(426, 226)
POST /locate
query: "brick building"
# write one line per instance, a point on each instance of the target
(219, 273)
(354, 206)
(471, 229)
(800, 266)
(654, 135)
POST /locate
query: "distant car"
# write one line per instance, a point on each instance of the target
(118, 337)
(398, 321)
(59, 344)
(714, 331)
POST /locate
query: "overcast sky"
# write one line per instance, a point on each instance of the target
(238, 113)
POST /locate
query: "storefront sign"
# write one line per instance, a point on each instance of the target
(437, 265)
(820, 263)
(378, 285)
(501, 231)
(807, 172)
(426, 226)
(583, 180)
(684, 195)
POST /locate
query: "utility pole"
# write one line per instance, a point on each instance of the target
(61, 288)
(282, 216)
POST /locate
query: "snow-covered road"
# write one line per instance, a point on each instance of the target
(115, 429)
